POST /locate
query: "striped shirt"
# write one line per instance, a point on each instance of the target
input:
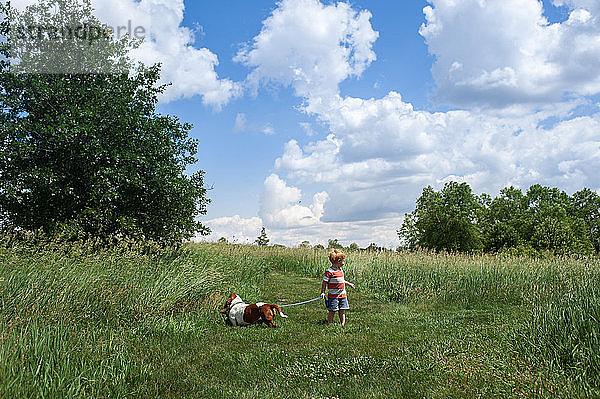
(336, 285)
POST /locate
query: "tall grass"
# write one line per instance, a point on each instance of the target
(82, 322)
(442, 278)
(556, 300)
(565, 332)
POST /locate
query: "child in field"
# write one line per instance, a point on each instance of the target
(336, 284)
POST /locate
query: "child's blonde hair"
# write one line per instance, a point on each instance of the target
(336, 256)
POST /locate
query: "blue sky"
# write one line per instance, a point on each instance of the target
(323, 119)
(244, 159)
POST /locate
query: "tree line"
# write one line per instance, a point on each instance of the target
(541, 219)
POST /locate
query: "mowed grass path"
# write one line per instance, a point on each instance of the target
(386, 350)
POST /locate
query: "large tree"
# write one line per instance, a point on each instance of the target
(84, 150)
(506, 221)
(557, 223)
(445, 220)
(586, 205)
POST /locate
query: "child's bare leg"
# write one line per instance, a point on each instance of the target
(342, 315)
(330, 317)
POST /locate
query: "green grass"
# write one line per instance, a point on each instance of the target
(129, 322)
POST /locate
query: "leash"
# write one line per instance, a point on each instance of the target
(300, 303)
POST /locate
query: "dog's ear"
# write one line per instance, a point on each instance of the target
(227, 305)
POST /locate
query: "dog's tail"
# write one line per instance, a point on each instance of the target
(276, 307)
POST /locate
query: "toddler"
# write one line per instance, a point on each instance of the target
(336, 284)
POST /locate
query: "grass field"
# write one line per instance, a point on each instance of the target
(136, 322)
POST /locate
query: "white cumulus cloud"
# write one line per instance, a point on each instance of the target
(281, 205)
(241, 230)
(382, 152)
(310, 46)
(235, 229)
(497, 53)
(502, 61)
(190, 70)
(240, 122)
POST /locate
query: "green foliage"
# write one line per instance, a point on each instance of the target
(78, 322)
(543, 219)
(334, 244)
(555, 224)
(87, 155)
(586, 206)
(262, 240)
(565, 332)
(444, 221)
(353, 247)
(551, 303)
(373, 247)
(505, 220)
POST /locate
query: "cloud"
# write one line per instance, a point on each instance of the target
(310, 46)
(591, 5)
(191, 70)
(498, 53)
(21, 4)
(240, 123)
(382, 152)
(281, 205)
(381, 231)
(307, 128)
(234, 228)
(241, 230)
(268, 130)
(320, 166)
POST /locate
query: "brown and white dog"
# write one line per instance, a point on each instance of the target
(243, 314)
